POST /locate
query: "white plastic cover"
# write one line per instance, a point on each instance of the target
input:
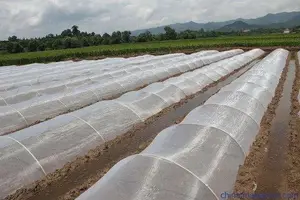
(55, 142)
(37, 107)
(200, 157)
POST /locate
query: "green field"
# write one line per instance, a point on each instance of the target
(275, 40)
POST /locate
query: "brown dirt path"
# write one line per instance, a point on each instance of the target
(77, 176)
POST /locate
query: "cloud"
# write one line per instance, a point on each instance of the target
(35, 18)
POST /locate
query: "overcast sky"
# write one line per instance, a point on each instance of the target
(30, 18)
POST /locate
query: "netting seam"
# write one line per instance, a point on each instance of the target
(98, 98)
(182, 167)
(242, 83)
(123, 104)
(4, 101)
(89, 126)
(28, 152)
(246, 94)
(233, 109)
(20, 115)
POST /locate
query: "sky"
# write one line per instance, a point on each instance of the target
(33, 18)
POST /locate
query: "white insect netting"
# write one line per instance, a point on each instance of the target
(34, 71)
(53, 143)
(38, 108)
(200, 157)
(64, 75)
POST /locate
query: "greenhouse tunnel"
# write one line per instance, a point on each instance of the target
(29, 154)
(77, 71)
(14, 117)
(200, 157)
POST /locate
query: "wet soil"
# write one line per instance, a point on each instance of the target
(293, 160)
(275, 160)
(77, 176)
(256, 163)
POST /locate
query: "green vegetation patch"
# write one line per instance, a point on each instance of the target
(272, 40)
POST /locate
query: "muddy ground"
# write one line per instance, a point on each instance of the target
(293, 159)
(77, 176)
(249, 173)
(275, 161)
(273, 164)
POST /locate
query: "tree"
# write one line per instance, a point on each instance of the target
(116, 38)
(18, 48)
(13, 38)
(67, 42)
(106, 35)
(71, 42)
(66, 33)
(50, 35)
(133, 39)
(170, 33)
(187, 34)
(126, 36)
(97, 39)
(41, 47)
(145, 37)
(85, 34)
(105, 38)
(85, 42)
(2, 47)
(14, 47)
(57, 44)
(10, 47)
(48, 44)
(75, 30)
(141, 38)
(160, 37)
(33, 45)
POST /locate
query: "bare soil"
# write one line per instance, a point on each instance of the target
(77, 176)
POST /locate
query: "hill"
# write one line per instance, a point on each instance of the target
(237, 26)
(284, 19)
(295, 21)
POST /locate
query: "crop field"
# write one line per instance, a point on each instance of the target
(276, 40)
(206, 125)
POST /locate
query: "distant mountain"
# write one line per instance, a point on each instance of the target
(295, 21)
(178, 27)
(273, 18)
(284, 19)
(241, 25)
(237, 26)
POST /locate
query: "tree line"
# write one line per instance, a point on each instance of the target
(74, 38)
